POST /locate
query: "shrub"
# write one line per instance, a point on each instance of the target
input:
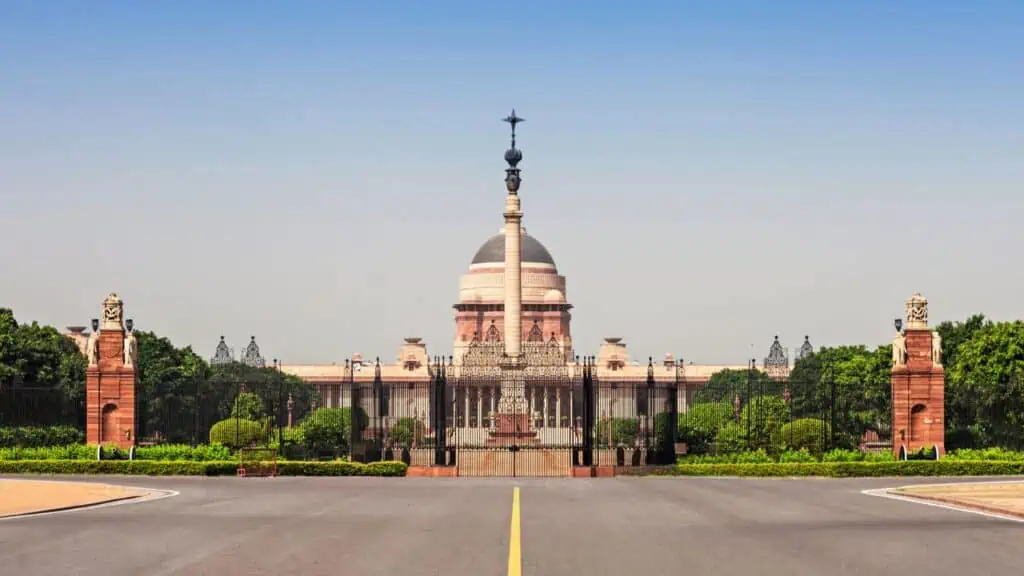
(624, 431)
(184, 452)
(731, 438)
(407, 430)
(237, 433)
(856, 469)
(809, 434)
(327, 429)
(187, 468)
(988, 454)
(801, 455)
(662, 428)
(40, 436)
(248, 406)
(69, 452)
(699, 425)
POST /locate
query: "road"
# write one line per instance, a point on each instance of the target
(461, 527)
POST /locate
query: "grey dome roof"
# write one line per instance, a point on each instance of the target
(494, 251)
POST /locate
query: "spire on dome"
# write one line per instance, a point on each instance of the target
(513, 156)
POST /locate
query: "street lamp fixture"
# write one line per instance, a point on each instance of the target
(898, 323)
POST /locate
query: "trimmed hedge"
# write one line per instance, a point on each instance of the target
(854, 469)
(187, 468)
(39, 436)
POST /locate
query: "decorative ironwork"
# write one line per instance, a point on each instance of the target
(222, 355)
(777, 362)
(805, 349)
(252, 355)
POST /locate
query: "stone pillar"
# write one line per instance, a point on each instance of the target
(558, 407)
(918, 383)
(110, 380)
(513, 276)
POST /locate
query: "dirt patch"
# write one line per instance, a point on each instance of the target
(30, 496)
(1002, 498)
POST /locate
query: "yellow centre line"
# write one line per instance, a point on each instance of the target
(515, 557)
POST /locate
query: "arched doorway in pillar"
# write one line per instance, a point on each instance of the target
(917, 424)
(109, 429)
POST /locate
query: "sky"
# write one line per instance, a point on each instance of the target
(318, 174)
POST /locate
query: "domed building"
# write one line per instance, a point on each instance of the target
(480, 312)
(513, 377)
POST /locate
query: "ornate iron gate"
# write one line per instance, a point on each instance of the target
(543, 435)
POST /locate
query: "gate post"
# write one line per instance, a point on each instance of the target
(673, 418)
(588, 412)
(440, 418)
(652, 452)
(355, 418)
(378, 394)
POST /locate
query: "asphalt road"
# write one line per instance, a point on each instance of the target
(461, 527)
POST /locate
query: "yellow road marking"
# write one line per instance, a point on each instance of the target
(515, 557)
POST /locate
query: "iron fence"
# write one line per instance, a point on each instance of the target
(583, 419)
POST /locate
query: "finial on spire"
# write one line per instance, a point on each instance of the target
(513, 156)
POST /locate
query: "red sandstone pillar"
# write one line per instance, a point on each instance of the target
(110, 380)
(918, 383)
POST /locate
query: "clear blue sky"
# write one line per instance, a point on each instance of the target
(318, 174)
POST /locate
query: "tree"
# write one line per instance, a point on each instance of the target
(725, 385)
(762, 418)
(699, 425)
(172, 397)
(49, 369)
(956, 333)
(850, 386)
(985, 388)
(248, 406)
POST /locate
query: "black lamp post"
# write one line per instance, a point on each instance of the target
(129, 324)
(898, 323)
(95, 324)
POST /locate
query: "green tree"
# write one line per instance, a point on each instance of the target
(40, 358)
(249, 406)
(699, 425)
(985, 388)
(956, 333)
(848, 385)
(725, 385)
(762, 418)
(172, 397)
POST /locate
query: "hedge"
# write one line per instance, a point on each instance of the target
(187, 468)
(852, 469)
(39, 436)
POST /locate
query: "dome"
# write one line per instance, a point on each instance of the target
(554, 297)
(494, 251)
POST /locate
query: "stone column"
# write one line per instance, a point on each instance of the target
(558, 407)
(110, 379)
(513, 281)
(918, 383)
(480, 414)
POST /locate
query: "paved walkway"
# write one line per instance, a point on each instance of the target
(32, 496)
(464, 526)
